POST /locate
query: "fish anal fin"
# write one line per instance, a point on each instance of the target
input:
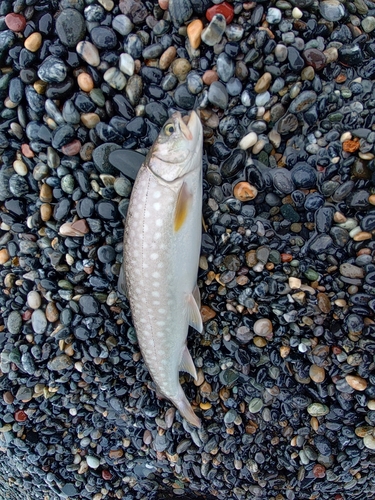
(182, 207)
(194, 315)
(121, 283)
(187, 364)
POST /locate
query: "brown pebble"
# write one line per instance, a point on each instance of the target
(324, 303)
(350, 146)
(33, 42)
(147, 437)
(338, 217)
(209, 77)
(90, 120)
(371, 199)
(356, 382)
(4, 255)
(284, 351)
(45, 194)
(362, 236)
(72, 148)
(67, 230)
(263, 83)
(116, 453)
(163, 4)
(52, 313)
(45, 211)
(244, 191)
(167, 57)
(260, 341)
(181, 68)
(251, 258)
(317, 373)
(194, 31)
(8, 397)
(207, 313)
(40, 87)
(85, 82)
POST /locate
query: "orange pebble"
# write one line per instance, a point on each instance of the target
(210, 76)
(244, 191)
(85, 82)
(286, 257)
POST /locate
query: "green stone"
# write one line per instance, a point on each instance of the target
(289, 213)
(67, 184)
(294, 263)
(98, 97)
(335, 117)
(346, 93)
(361, 7)
(263, 158)
(311, 274)
(65, 285)
(317, 410)
(274, 257)
(368, 24)
(255, 405)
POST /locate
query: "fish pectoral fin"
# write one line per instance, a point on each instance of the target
(194, 314)
(187, 364)
(182, 207)
(121, 282)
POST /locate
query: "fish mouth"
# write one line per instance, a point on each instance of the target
(189, 125)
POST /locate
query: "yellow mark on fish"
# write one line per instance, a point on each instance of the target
(182, 207)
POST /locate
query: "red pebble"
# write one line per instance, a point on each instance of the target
(27, 315)
(225, 8)
(15, 22)
(26, 151)
(106, 475)
(286, 257)
(20, 416)
(71, 149)
(319, 470)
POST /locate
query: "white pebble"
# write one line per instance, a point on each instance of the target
(92, 462)
(259, 146)
(248, 140)
(20, 167)
(262, 99)
(355, 231)
(296, 13)
(126, 64)
(34, 300)
(346, 136)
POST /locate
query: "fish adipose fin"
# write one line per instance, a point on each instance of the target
(121, 283)
(187, 364)
(194, 314)
(183, 406)
(182, 207)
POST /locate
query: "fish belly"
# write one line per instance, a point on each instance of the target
(161, 271)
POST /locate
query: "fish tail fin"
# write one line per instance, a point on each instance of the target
(184, 407)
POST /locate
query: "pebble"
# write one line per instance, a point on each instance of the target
(244, 191)
(33, 42)
(212, 34)
(356, 382)
(194, 32)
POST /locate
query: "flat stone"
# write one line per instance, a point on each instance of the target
(351, 271)
(60, 363)
(70, 27)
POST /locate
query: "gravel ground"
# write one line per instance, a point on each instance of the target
(286, 371)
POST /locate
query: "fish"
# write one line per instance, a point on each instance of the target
(162, 241)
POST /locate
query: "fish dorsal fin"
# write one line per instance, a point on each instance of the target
(121, 282)
(182, 207)
(187, 364)
(194, 315)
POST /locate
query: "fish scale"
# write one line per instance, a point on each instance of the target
(161, 255)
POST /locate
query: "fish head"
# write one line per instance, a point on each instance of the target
(178, 148)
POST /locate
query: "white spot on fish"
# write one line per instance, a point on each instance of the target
(147, 213)
(156, 274)
(160, 265)
(162, 311)
(157, 206)
(156, 284)
(159, 222)
(154, 256)
(156, 302)
(155, 294)
(160, 335)
(157, 236)
(160, 323)
(156, 194)
(143, 320)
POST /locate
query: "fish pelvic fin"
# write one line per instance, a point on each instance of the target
(185, 409)
(187, 364)
(184, 200)
(194, 314)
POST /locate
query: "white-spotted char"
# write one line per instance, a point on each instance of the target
(161, 254)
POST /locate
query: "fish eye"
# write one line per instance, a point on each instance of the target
(169, 129)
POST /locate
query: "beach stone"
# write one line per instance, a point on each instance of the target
(263, 327)
(70, 27)
(122, 24)
(14, 322)
(92, 462)
(356, 382)
(217, 95)
(317, 373)
(15, 22)
(52, 70)
(59, 363)
(332, 10)
(351, 271)
(194, 32)
(88, 52)
(33, 42)
(263, 83)
(213, 33)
